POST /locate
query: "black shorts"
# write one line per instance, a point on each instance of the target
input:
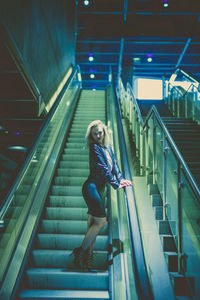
(94, 196)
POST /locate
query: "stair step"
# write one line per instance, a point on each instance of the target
(172, 261)
(60, 279)
(72, 164)
(68, 241)
(66, 191)
(75, 157)
(168, 243)
(63, 294)
(183, 286)
(69, 180)
(73, 172)
(153, 189)
(67, 201)
(64, 213)
(156, 200)
(158, 212)
(164, 226)
(67, 226)
(64, 259)
(76, 151)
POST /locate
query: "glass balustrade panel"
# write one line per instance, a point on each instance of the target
(158, 136)
(190, 235)
(21, 201)
(171, 200)
(150, 145)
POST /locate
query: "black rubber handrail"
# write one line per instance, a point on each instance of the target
(136, 239)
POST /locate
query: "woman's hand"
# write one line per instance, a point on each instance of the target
(124, 183)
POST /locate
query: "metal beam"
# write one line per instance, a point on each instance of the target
(183, 52)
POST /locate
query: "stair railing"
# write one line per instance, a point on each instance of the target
(179, 192)
(184, 102)
(178, 189)
(26, 198)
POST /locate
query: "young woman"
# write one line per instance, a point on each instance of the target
(103, 169)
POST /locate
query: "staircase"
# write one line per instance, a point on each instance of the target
(50, 273)
(186, 135)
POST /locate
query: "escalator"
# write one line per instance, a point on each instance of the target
(50, 273)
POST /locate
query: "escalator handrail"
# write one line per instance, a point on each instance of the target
(10, 195)
(135, 104)
(135, 233)
(177, 153)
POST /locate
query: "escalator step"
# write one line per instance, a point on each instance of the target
(69, 180)
(43, 258)
(68, 241)
(67, 226)
(60, 279)
(63, 294)
(65, 201)
(51, 273)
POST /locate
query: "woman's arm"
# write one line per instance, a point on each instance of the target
(101, 166)
(123, 182)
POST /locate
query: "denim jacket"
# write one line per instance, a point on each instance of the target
(100, 169)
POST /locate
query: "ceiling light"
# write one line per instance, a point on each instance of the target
(165, 3)
(86, 2)
(92, 75)
(90, 58)
(136, 60)
(149, 59)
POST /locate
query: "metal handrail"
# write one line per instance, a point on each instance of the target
(10, 195)
(175, 149)
(188, 75)
(136, 104)
(177, 90)
(136, 239)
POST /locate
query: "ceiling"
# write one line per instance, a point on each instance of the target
(126, 33)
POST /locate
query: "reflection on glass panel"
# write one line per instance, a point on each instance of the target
(172, 190)
(190, 232)
(159, 158)
(182, 108)
(150, 146)
(189, 105)
(17, 211)
(125, 232)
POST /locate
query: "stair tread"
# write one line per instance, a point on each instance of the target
(63, 271)
(64, 294)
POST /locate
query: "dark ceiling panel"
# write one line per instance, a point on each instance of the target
(170, 35)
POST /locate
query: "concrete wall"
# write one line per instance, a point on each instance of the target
(44, 33)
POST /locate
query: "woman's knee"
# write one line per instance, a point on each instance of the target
(100, 222)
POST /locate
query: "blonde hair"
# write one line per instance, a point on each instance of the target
(88, 135)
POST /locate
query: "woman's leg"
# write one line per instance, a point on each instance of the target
(90, 222)
(97, 224)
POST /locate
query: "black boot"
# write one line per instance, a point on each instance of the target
(78, 256)
(88, 261)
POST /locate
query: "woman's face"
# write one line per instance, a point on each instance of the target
(97, 133)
